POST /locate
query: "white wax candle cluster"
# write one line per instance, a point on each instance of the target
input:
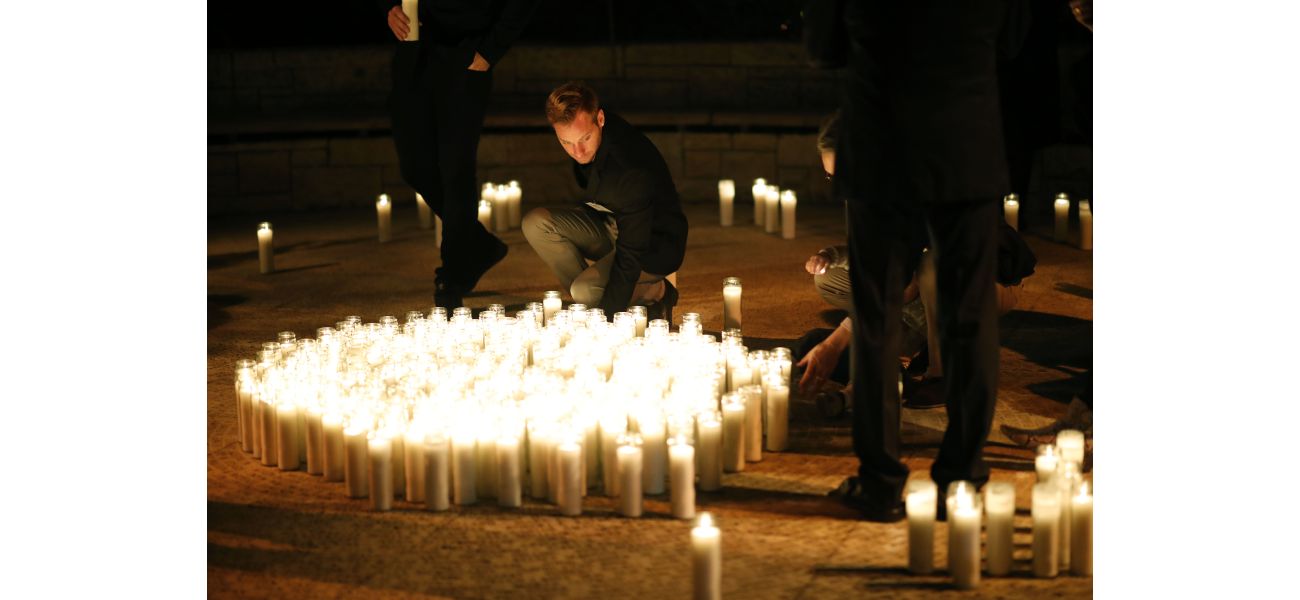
(964, 534)
(499, 206)
(449, 408)
(1062, 508)
(774, 208)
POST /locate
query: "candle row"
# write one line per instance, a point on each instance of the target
(498, 206)
(1061, 223)
(774, 209)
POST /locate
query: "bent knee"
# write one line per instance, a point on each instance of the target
(586, 292)
(537, 220)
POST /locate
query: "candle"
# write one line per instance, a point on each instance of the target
(437, 473)
(265, 248)
(629, 475)
(1085, 225)
(244, 384)
(771, 220)
(709, 450)
(485, 467)
(509, 491)
(610, 429)
(1045, 463)
(1011, 210)
(501, 208)
(1067, 480)
(385, 211)
(516, 196)
(1081, 531)
(726, 201)
(1000, 506)
(550, 305)
(356, 469)
(315, 442)
(413, 461)
(778, 414)
(426, 213)
(463, 456)
(733, 433)
(266, 417)
(591, 449)
(568, 495)
(654, 455)
(759, 193)
(681, 457)
(286, 436)
(731, 293)
(437, 231)
(332, 424)
(539, 450)
(963, 535)
(485, 214)
(922, 498)
(397, 462)
(741, 375)
(753, 395)
(411, 9)
(639, 317)
(1046, 511)
(1069, 445)
(706, 559)
(788, 202)
(1062, 217)
(381, 472)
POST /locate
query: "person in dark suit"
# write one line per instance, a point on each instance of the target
(440, 91)
(628, 219)
(922, 141)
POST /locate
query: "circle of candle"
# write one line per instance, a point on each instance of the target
(515, 200)
(709, 450)
(1081, 531)
(1000, 508)
(1046, 512)
(286, 436)
(1011, 210)
(1070, 445)
(706, 559)
(753, 395)
(426, 213)
(1085, 225)
(963, 534)
(1045, 462)
(485, 213)
(922, 503)
(681, 455)
(332, 428)
(437, 474)
(464, 453)
(265, 247)
(569, 494)
(726, 201)
(777, 407)
(788, 203)
(356, 469)
(509, 492)
(384, 210)
(1062, 217)
(267, 419)
(381, 472)
(731, 295)
(413, 461)
(759, 193)
(733, 432)
(772, 207)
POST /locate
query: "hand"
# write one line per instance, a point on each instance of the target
(479, 64)
(398, 22)
(817, 367)
(817, 264)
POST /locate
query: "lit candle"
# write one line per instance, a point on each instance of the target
(1081, 531)
(509, 492)
(681, 457)
(733, 433)
(709, 449)
(1011, 210)
(788, 203)
(437, 473)
(1085, 225)
(397, 462)
(1000, 506)
(266, 418)
(485, 214)
(706, 559)
(1067, 480)
(629, 475)
(922, 498)
(515, 198)
(315, 442)
(1069, 444)
(741, 375)
(610, 429)
(501, 208)
(654, 448)
(731, 293)
(753, 395)
(963, 535)
(778, 414)
(381, 472)
(569, 494)
(1045, 462)
(726, 201)
(265, 248)
(411, 9)
(463, 457)
(244, 384)
(639, 316)
(286, 436)
(413, 461)
(384, 209)
(486, 466)
(759, 193)
(1062, 217)
(551, 304)
(771, 220)
(539, 450)
(426, 213)
(332, 424)
(1046, 511)
(356, 469)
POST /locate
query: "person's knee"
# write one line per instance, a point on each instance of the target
(536, 221)
(586, 291)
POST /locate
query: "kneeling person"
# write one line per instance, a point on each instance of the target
(628, 219)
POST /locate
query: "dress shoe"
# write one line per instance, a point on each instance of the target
(1078, 416)
(878, 510)
(496, 251)
(663, 309)
(448, 295)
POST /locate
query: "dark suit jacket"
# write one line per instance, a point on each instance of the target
(488, 27)
(628, 176)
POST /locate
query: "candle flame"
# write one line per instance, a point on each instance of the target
(706, 520)
(265, 226)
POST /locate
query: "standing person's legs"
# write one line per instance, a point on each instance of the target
(414, 129)
(566, 238)
(965, 246)
(925, 280)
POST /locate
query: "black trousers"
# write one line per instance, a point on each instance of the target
(437, 109)
(963, 237)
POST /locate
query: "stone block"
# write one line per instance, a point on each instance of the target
(669, 144)
(336, 186)
(362, 151)
(754, 141)
(277, 101)
(703, 163)
(221, 187)
(264, 78)
(392, 176)
(677, 54)
(342, 78)
(536, 149)
(764, 93)
(769, 54)
(494, 149)
(310, 157)
(264, 172)
(564, 63)
(694, 190)
(706, 141)
(247, 100)
(797, 150)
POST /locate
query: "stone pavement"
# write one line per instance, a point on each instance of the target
(274, 534)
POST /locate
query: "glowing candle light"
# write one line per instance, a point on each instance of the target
(384, 210)
(1046, 511)
(381, 472)
(706, 559)
(963, 535)
(709, 450)
(1011, 210)
(629, 475)
(922, 497)
(731, 295)
(1000, 507)
(1081, 531)
(485, 214)
(516, 195)
(265, 248)
(1062, 217)
(681, 456)
(726, 201)
(356, 469)
(788, 204)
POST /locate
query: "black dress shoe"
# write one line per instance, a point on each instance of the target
(448, 295)
(878, 510)
(663, 309)
(496, 251)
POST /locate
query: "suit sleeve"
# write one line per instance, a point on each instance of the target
(514, 17)
(635, 217)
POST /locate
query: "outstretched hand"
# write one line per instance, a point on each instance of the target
(817, 367)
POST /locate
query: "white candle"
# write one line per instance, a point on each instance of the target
(1046, 511)
(463, 458)
(539, 450)
(265, 248)
(788, 203)
(267, 419)
(771, 220)
(1045, 463)
(384, 209)
(1067, 478)
(681, 457)
(501, 208)
(1081, 531)
(244, 398)
(759, 193)
(726, 201)
(515, 198)
(733, 433)
(426, 213)
(654, 448)
(1011, 210)
(753, 395)
(640, 318)
(356, 469)
(485, 214)
(397, 463)
(706, 559)
(315, 442)
(1000, 506)
(591, 452)
(922, 498)
(411, 8)
(332, 424)
(709, 450)
(741, 376)
(1070, 445)
(437, 474)
(731, 294)
(963, 535)
(551, 304)
(286, 436)
(381, 473)
(413, 461)
(509, 491)
(629, 475)
(569, 494)
(485, 474)
(1062, 217)
(610, 430)
(1085, 225)
(778, 415)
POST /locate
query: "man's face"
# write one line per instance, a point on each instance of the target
(581, 137)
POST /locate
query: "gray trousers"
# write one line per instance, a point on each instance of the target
(566, 238)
